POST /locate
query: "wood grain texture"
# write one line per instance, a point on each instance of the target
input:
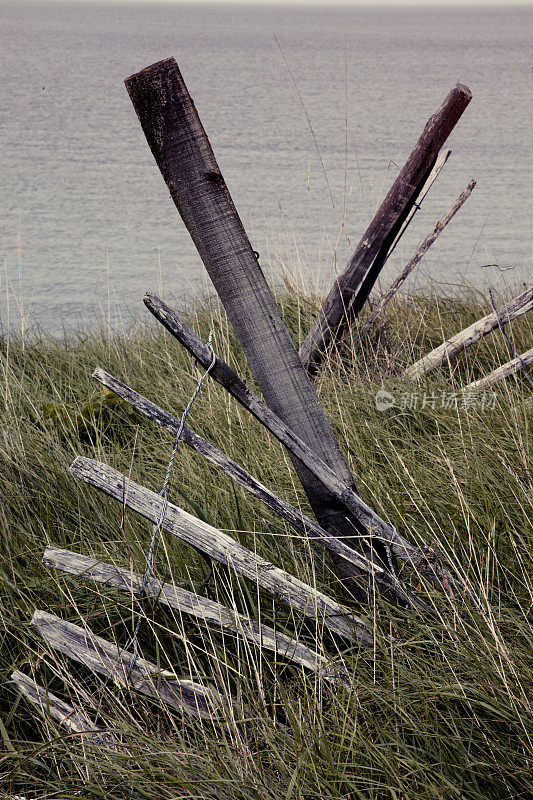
(342, 304)
(216, 457)
(184, 155)
(420, 253)
(73, 720)
(421, 559)
(104, 658)
(324, 611)
(448, 350)
(190, 604)
(510, 368)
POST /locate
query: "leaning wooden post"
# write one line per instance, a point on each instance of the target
(371, 252)
(411, 264)
(184, 155)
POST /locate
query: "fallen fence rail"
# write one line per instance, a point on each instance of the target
(103, 657)
(191, 604)
(512, 367)
(324, 611)
(448, 350)
(74, 720)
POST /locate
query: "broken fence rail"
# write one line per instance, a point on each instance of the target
(105, 658)
(191, 604)
(510, 368)
(448, 350)
(324, 611)
(412, 263)
(74, 720)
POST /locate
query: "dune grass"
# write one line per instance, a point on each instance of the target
(439, 709)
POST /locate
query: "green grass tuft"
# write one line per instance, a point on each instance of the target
(440, 711)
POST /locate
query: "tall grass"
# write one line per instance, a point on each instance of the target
(440, 708)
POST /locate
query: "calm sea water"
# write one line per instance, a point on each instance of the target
(85, 218)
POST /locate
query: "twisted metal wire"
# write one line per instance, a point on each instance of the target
(164, 494)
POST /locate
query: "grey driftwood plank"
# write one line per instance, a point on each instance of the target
(521, 304)
(420, 253)
(185, 157)
(342, 302)
(422, 560)
(73, 720)
(510, 368)
(104, 658)
(184, 602)
(222, 548)
(388, 583)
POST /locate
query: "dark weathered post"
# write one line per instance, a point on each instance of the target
(184, 155)
(352, 288)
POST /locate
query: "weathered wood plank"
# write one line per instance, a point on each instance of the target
(337, 310)
(184, 155)
(411, 264)
(104, 658)
(222, 548)
(73, 720)
(421, 559)
(449, 349)
(233, 470)
(304, 524)
(510, 368)
(185, 602)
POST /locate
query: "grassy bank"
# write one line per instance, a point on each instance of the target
(440, 711)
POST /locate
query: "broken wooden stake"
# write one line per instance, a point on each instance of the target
(510, 368)
(342, 302)
(422, 250)
(190, 604)
(449, 349)
(324, 611)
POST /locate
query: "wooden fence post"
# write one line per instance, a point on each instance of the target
(352, 288)
(184, 155)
